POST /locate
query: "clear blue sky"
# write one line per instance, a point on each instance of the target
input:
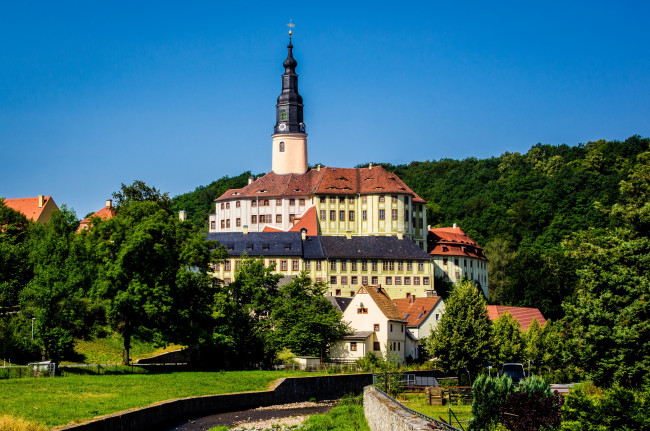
(178, 94)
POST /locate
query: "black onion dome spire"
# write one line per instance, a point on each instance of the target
(288, 111)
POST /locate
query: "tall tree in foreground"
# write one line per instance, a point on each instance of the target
(154, 276)
(15, 270)
(462, 339)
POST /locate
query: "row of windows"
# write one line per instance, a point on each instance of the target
(374, 280)
(265, 203)
(480, 264)
(375, 346)
(387, 265)
(364, 199)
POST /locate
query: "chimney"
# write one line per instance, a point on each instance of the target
(109, 203)
(318, 167)
(41, 201)
(400, 235)
(369, 166)
(182, 214)
(455, 226)
(428, 227)
(303, 234)
(348, 234)
(250, 180)
(245, 229)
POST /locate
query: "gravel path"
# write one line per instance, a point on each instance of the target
(259, 418)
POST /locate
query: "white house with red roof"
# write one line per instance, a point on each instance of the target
(377, 325)
(456, 256)
(38, 209)
(105, 213)
(422, 315)
(523, 315)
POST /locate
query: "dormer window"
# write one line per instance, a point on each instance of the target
(265, 247)
(287, 246)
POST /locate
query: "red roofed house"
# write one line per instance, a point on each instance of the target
(422, 315)
(105, 213)
(38, 209)
(378, 326)
(457, 256)
(523, 315)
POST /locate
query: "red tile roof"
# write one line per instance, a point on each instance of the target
(104, 213)
(523, 315)
(326, 181)
(309, 221)
(452, 241)
(28, 206)
(271, 229)
(415, 311)
(383, 301)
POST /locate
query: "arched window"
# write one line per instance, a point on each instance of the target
(282, 147)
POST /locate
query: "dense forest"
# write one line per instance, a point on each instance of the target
(522, 208)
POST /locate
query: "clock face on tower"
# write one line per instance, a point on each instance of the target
(282, 127)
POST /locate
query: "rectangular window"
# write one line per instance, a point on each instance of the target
(406, 216)
(322, 199)
(344, 265)
(254, 203)
(394, 214)
(307, 265)
(400, 266)
(228, 205)
(354, 279)
(364, 266)
(444, 261)
(292, 217)
(323, 214)
(375, 346)
(319, 265)
(337, 292)
(223, 206)
(332, 200)
(362, 310)
(283, 265)
(332, 215)
(364, 215)
(382, 198)
(389, 280)
(381, 215)
(364, 199)
(420, 266)
(295, 265)
(391, 265)
(394, 198)
(398, 281)
(223, 224)
(301, 202)
(384, 265)
(213, 224)
(364, 280)
(425, 281)
(421, 223)
(278, 202)
(351, 200)
(333, 281)
(353, 346)
(457, 275)
(409, 266)
(407, 280)
(391, 327)
(226, 280)
(352, 293)
(351, 215)
(216, 266)
(292, 202)
(283, 115)
(456, 261)
(353, 266)
(227, 223)
(375, 281)
(416, 281)
(375, 327)
(464, 262)
(237, 264)
(341, 199)
(333, 265)
(266, 203)
(238, 222)
(226, 265)
(341, 215)
(278, 218)
(374, 266)
(344, 279)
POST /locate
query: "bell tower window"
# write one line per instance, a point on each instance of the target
(283, 115)
(282, 147)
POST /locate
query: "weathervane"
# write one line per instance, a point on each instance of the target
(290, 25)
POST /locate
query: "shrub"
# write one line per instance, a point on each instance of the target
(490, 393)
(286, 357)
(531, 411)
(369, 362)
(535, 385)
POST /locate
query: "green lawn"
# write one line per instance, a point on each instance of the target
(61, 400)
(417, 402)
(108, 350)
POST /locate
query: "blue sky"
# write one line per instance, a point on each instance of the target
(178, 94)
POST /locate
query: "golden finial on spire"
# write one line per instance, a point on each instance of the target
(290, 25)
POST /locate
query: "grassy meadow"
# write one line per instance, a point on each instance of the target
(61, 400)
(417, 402)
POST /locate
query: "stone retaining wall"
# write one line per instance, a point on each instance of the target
(384, 414)
(288, 390)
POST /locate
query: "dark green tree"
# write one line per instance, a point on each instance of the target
(15, 268)
(507, 342)
(461, 340)
(303, 320)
